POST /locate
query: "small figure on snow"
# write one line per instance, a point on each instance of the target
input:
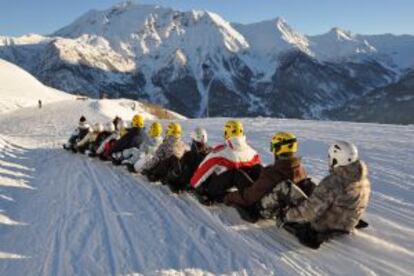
(39, 103)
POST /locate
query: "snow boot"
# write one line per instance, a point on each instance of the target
(249, 214)
(130, 167)
(361, 224)
(305, 234)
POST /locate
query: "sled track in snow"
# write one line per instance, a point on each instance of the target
(269, 239)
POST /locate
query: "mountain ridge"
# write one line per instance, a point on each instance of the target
(199, 64)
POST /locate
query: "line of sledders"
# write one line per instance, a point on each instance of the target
(232, 173)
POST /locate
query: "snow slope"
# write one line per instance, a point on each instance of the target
(65, 214)
(19, 88)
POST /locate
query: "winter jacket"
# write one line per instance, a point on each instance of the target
(270, 176)
(90, 137)
(192, 159)
(79, 133)
(338, 202)
(101, 138)
(169, 147)
(181, 171)
(148, 147)
(234, 154)
(150, 144)
(113, 137)
(133, 138)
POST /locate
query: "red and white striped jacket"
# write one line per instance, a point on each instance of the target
(234, 154)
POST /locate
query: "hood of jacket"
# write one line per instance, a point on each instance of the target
(353, 172)
(237, 143)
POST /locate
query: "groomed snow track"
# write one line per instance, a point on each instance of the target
(67, 214)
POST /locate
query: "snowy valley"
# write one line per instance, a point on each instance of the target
(67, 214)
(200, 65)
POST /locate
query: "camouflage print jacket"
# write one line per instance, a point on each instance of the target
(338, 202)
(169, 147)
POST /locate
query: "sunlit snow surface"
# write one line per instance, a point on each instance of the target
(66, 214)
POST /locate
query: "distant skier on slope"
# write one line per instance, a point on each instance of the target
(261, 198)
(179, 176)
(139, 156)
(158, 166)
(218, 171)
(337, 203)
(78, 134)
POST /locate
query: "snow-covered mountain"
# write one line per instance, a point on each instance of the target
(391, 104)
(199, 64)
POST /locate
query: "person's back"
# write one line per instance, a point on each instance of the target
(151, 141)
(134, 136)
(158, 166)
(345, 194)
(109, 129)
(179, 176)
(216, 174)
(289, 168)
(339, 201)
(78, 134)
(262, 198)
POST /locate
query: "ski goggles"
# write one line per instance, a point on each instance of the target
(276, 146)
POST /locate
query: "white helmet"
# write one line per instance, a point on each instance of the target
(110, 127)
(342, 153)
(98, 127)
(199, 135)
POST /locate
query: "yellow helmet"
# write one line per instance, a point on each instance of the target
(283, 143)
(155, 129)
(233, 128)
(174, 129)
(138, 121)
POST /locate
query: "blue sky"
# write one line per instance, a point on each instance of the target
(19, 17)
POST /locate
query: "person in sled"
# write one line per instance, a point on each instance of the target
(262, 198)
(104, 149)
(79, 133)
(88, 141)
(219, 170)
(108, 130)
(337, 203)
(158, 166)
(179, 176)
(138, 157)
(133, 138)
